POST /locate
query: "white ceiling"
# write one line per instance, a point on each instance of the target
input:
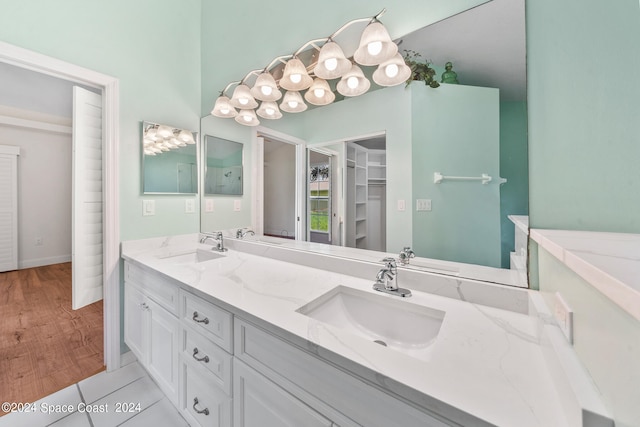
(486, 44)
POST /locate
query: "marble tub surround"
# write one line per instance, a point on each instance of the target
(486, 366)
(610, 262)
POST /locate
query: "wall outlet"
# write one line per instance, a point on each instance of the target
(148, 207)
(38, 241)
(564, 316)
(401, 205)
(208, 205)
(237, 205)
(189, 206)
(423, 204)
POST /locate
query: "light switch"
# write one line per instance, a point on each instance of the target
(208, 205)
(423, 204)
(148, 207)
(237, 205)
(401, 205)
(189, 206)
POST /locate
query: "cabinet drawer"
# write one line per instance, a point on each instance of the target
(201, 402)
(210, 320)
(202, 352)
(162, 290)
(317, 383)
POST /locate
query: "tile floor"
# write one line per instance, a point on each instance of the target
(129, 384)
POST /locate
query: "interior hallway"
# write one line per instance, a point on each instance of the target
(45, 346)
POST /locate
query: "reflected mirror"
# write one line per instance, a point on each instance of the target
(431, 130)
(169, 160)
(223, 167)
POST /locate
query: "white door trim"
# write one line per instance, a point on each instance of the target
(111, 222)
(257, 203)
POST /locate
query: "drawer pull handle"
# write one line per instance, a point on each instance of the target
(204, 359)
(195, 318)
(204, 411)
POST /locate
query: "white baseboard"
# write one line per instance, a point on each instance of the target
(39, 262)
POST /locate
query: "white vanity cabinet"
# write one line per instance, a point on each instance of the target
(151, 332)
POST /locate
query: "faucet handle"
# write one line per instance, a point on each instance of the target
(390, 262)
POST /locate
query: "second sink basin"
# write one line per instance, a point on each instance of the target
(397, 324)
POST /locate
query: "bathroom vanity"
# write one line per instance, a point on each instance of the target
(265, 335)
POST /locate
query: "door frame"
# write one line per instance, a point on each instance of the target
(44, 64)
(257, 203)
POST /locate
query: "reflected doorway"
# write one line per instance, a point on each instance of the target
(279, 189)
(323, 197)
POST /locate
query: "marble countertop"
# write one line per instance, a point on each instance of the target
(486, 366)
(610, 262)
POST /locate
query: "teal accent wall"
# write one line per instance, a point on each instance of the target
(514, 194)
(584, 114)
(158, 68)
(455, 131)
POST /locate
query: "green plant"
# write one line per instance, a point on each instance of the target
(420, 70)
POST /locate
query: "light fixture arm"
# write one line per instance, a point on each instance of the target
(226, 88)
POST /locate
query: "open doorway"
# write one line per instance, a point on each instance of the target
(41, 281)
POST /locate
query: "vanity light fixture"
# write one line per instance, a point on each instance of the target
(330, 62)
(223, 108)
(319, 93)
(292, 102)
(265, 88)
(269, 110)
(157, 139)
(392, 72)
(353, 83)
(242, 98)
(375, 45)
(247, 118)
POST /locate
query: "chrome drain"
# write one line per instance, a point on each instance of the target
(380, 342)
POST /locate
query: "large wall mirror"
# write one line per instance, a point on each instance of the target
(476, 127)
(223, 166)
(169, 160)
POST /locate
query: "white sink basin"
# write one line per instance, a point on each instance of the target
(192, 257)
(395, 323)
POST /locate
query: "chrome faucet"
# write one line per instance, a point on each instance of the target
(217, 237)
(386, 280)
(405, 255)
(241, 232)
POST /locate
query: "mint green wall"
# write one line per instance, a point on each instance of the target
(455, 131)
(584, 146)
(606, 338)
(158, 68)
(238, 37)
(584, 114)
(514, 194)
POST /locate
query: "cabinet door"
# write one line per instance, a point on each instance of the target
(164, 332)
(257, 402)
(135, 316)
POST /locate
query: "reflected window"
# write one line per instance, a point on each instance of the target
(319, 198)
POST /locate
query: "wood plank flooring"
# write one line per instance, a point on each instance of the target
(44, 344)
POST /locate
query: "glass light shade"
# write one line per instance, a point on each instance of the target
(242, 98)
(292, 102)
(149, 152)
(223, 108)
(295, 76)
(353, 83)
(151, 134)
(174, 143)
(247, 118)
(164, 132)
(331, 62)
(269, 110)
(319, 93)
(265, 88)
(186, 137)
(392, 72)
(375, 45)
